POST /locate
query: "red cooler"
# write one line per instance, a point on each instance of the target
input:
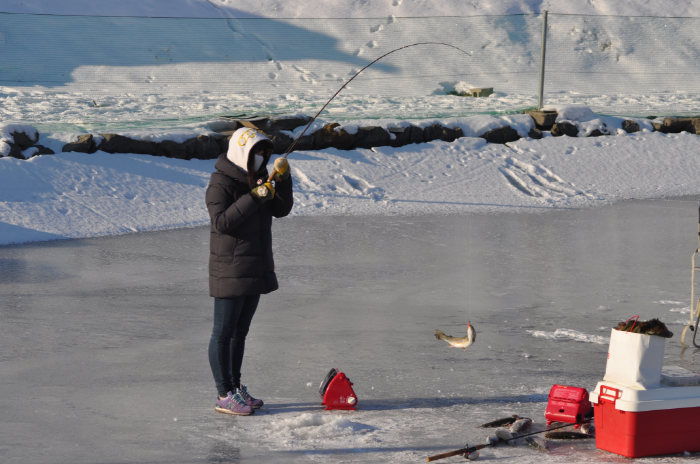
(633, 422)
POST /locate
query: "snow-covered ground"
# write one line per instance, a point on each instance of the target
(141, 75)
(72, 195)
(180, 62)
(348, 9)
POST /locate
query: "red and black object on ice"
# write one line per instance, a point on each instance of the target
(336, 391)
(568, 404)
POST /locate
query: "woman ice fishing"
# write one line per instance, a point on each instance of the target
(241, 202)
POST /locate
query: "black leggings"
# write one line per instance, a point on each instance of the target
(232, 317)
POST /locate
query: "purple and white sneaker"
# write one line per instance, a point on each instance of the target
(233, 404)
(249, 400)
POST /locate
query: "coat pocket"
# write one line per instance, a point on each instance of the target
(230, 250)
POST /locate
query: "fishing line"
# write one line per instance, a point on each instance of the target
(471, 314)
(291, 147)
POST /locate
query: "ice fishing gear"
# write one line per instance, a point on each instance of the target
(264, 192)
(635, 422)
(282, 168)
(470, 449)
(568, 404)
(291, 147)
(694, 314)
(336, 391)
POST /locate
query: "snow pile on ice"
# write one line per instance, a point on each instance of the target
(462, 87)
(682, 309)
(309, 426)
(685, 310)
(569, 334)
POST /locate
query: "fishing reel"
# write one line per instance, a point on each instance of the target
(470, 454)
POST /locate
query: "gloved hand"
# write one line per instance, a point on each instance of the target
(264, 192)
(282, 168)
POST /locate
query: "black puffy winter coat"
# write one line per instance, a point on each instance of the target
(240, 259)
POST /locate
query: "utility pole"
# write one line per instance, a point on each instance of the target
(542, 57)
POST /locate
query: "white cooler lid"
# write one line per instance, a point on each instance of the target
(675, 376)
(633, 399)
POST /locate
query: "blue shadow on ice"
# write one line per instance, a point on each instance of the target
(395, 449)
(22, 271)
(45, 49)
(11, 234)
(387, 404)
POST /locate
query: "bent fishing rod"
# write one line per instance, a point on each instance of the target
(470, 449)
(291, 147)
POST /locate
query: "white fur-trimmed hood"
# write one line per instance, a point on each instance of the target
(242, 142)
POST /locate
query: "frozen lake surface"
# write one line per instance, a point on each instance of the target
(103, 347)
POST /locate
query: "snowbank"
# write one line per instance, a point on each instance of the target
(71, 195)
(129, 73)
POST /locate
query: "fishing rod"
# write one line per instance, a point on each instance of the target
(291, 147)
(467, 450)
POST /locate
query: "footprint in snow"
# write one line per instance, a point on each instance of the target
(536, 180)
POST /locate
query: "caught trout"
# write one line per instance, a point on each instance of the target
(500, 422)
(588, 428)
(464, 342)
(520, 425)
(538, 443)
(566, 435)
(506, 436)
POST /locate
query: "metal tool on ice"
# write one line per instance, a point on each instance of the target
(694, 313)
